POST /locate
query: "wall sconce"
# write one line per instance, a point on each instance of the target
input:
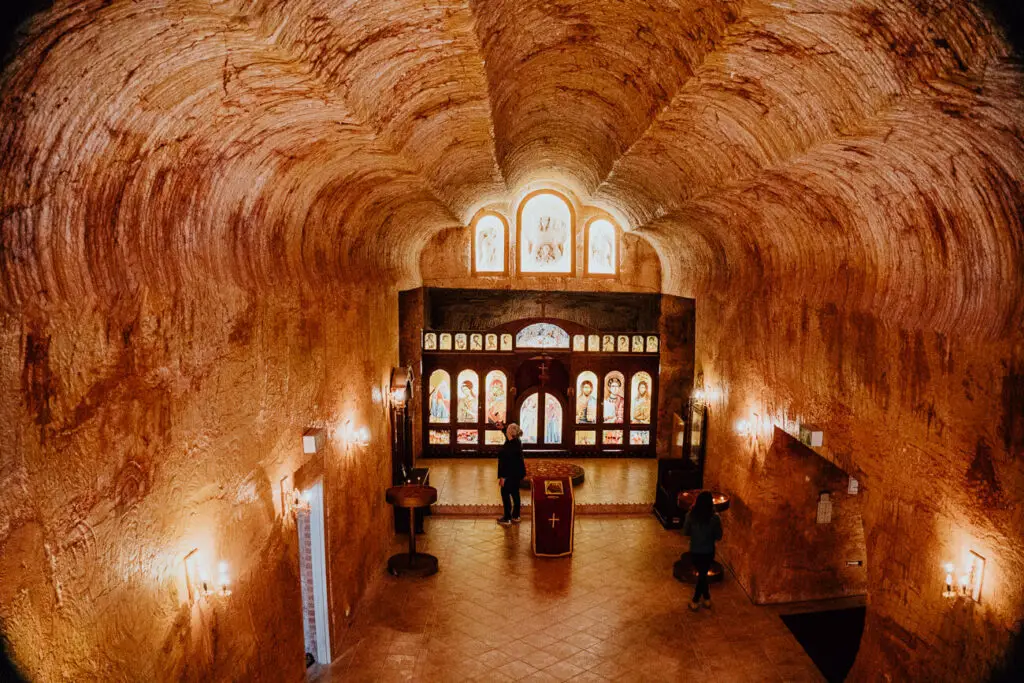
(298, 501)
(197, 580)
(401, 379)
(970, 580)
(223, 580)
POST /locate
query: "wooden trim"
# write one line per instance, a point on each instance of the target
(505, 239)
(572, 235)
(586, 248)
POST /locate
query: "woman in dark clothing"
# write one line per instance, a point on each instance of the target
(704, 527)
(511, 470)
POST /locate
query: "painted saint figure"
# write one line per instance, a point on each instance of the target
(552, 420)
(614, 401)
(496, 402)
(642, 404)
(467, 402)
(439, 397)
(586, 404)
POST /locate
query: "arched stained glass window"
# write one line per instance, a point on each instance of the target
(440, 397)
(528, 419)
(614, 399)
(586, 398)
(601, 248)
(640, 399)
(489, 244)
(546, 229)
(542, 336)
(469, 393)
(552, 420)
(495, 384)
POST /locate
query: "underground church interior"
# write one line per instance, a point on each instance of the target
(279, 276)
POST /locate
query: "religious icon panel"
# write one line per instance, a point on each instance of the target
(638, 344)
(612, 437)
(468, 436)
(528, 419)
(586, 438)
(493, 437)
(579, 342)
(608, 343)
(446, 341)
(593, 342)
(640, 390)
(429, 341)
(440, 397)
(440, 437)
(545, 234)
(460, 342)
(552, 420)
(586, 398)
(542, 336)
(506, 342)
(614, 400)
(476, 342)
(495, 408)
(639, 437)
(468, 396)
(491, 342)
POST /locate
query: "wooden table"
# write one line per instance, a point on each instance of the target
(412, 496)
(683, 570)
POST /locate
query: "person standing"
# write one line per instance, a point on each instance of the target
(511, 470)
(704, 527)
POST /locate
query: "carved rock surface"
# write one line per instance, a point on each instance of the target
(207, 206)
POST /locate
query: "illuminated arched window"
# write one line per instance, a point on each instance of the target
(546, 228)
(490, 239)
(495, 403)
(601, 248)
(440, 397)
(469, 396)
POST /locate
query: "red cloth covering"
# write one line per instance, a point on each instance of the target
(553, 516)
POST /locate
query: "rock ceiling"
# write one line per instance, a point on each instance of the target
(871, 148)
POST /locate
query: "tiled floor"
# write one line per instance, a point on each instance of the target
(608, 480)
(612, 612)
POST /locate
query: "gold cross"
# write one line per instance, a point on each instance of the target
(554, 518)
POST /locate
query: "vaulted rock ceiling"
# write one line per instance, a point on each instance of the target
(267, 142)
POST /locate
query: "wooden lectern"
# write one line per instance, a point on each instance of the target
(553, 516)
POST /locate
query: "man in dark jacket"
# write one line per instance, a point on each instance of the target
(511, 470)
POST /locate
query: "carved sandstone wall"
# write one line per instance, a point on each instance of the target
(930, 422)
(134, 435)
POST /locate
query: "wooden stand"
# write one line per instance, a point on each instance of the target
(412, 563)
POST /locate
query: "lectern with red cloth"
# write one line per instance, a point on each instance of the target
(553, 512)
